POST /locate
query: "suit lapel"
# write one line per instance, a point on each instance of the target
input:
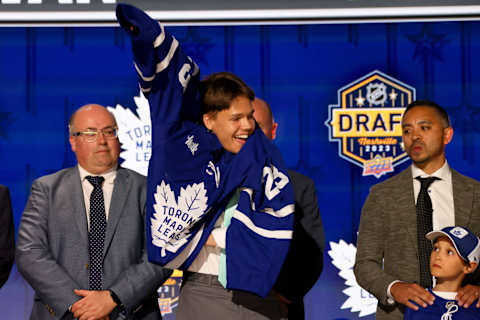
(119, 196)
(462, 199)
(406, 205)
(74, 187)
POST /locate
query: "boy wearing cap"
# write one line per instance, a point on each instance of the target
(456, 253)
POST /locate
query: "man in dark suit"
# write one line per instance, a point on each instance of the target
(391, 261)
(81, 241)
(7, 235)
(304, 261)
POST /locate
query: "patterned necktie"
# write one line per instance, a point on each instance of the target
(96, 235)
(424, 225)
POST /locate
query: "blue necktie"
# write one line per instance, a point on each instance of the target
(96, 235)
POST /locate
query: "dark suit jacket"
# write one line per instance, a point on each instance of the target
(7, 235)
(52, 251)
(388, 234)
(304, 261)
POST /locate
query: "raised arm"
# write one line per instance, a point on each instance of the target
(167, 76)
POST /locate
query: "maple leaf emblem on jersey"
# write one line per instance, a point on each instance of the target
(173, 218)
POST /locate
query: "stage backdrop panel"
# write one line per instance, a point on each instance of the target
(308, 73)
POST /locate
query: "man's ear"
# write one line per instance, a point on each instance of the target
(274, 130)
(73, 143)
(447, 135)
(208, 120)
(470, 267)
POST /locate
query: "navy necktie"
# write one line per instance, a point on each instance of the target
(424, 225)
(96, 235)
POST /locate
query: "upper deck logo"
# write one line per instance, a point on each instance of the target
(366, 122)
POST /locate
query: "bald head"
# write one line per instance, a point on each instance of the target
(264, 117)
(87, 109)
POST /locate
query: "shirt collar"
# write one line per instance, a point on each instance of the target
(109, 175)
(443, 173)
(445, 294)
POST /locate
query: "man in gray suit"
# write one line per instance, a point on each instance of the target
(81, 241)
(304, 261)
(389, 262)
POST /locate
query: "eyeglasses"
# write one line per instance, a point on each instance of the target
(91, 135)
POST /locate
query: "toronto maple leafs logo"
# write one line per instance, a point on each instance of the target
(359, 300)
(459, 232)
(135, 134)
(173, 218)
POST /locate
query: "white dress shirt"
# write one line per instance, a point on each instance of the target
(107, 188)
(441, 193)
(208, 259)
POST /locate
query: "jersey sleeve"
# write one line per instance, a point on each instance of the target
(167, 76)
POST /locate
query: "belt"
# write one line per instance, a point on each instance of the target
(203, 278)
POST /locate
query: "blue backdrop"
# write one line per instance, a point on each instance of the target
(47, 72)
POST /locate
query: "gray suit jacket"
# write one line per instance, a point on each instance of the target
(388, 233)
(52, 247)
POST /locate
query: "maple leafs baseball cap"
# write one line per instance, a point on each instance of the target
(465, 241)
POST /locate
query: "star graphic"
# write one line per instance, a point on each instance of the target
(5, 120)
(428, 44)
(393, 96)
(196, 46)
(360, 100)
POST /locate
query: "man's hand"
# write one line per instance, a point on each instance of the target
(467, 296)
(404, 293)
(94, 305)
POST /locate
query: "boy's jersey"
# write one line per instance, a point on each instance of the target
(443, 309)
(191, 177)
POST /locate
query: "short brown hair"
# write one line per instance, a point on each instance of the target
(218, 90)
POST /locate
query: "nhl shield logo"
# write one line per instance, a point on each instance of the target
(366, 122)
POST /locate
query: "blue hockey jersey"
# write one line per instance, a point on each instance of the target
(191, 177)
(443, 309)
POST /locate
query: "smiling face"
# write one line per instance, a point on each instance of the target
(102, 154)
(424, 137)
(232, 126)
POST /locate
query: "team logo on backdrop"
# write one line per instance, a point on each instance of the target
(172, 218)
(359, 300)
(366, 122)
(135, 134)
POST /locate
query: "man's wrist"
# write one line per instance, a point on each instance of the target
(390, 298)
(116, 300)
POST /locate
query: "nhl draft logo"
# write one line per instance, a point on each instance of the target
(366, 122)
(135, 134)
(172, 219)
(359, 300)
